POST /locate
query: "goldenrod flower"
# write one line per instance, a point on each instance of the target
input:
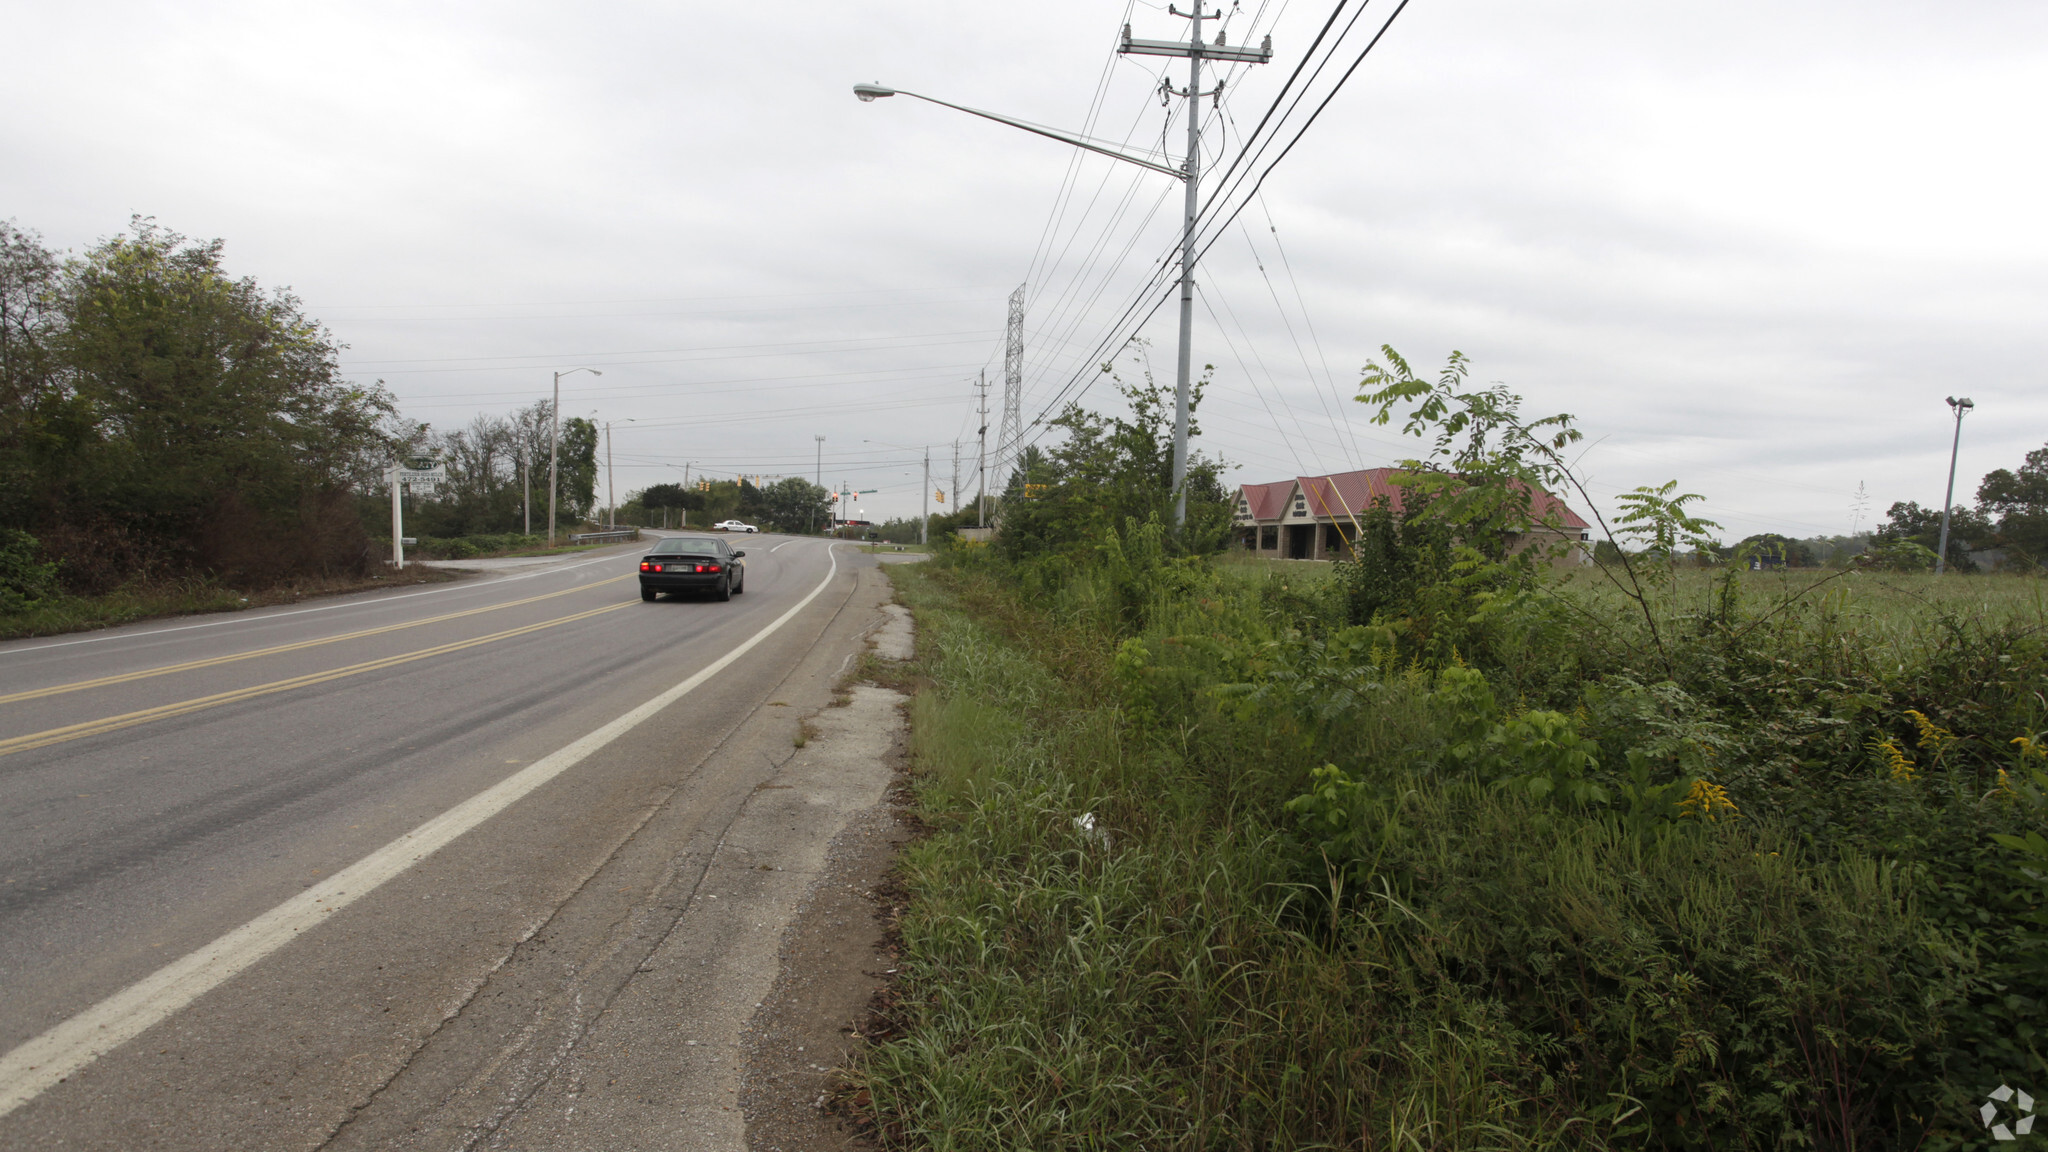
(1707, 802)
(2029, 748)
(1896, 762)
(1932, 736)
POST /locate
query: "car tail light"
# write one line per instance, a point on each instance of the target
(646, 567)
(708, 568)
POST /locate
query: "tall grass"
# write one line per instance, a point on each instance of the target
(1430, 955)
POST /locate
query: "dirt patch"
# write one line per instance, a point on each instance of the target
(837, 956)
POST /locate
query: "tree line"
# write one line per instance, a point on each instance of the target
(497, 474)
(163, 420)
(160, 417)
(2008, 528)
(791, 504)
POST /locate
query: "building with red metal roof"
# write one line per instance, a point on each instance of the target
(1316, 517)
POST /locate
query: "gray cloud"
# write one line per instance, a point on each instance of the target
(1751, 247)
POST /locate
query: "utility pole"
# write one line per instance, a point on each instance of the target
(955, 489)
(820, 482)
(554, 435)
(1191, 176)
(396, 477)
(1941, 551)
(525, 495)
(981, 461)
(924, 523)
(611, 487)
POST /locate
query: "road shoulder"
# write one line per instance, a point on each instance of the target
(837, 954)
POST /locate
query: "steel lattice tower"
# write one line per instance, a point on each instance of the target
(1012, 434)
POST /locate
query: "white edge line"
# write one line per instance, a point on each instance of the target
(45, 1061)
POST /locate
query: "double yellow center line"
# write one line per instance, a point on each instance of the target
(189, 665)
(164, 711)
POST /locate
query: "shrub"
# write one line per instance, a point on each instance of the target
(25, 578)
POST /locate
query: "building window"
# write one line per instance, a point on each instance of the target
(1269, 538)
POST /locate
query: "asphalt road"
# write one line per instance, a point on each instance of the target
(343, 872)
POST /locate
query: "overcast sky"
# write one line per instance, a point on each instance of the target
(1750, 246)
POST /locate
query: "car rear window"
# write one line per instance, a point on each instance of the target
(690, 546)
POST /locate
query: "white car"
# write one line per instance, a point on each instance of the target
(733, 526)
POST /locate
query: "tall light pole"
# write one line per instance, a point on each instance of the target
(1941, 551)
(1189, 173)
(611, 488)
(554, 435)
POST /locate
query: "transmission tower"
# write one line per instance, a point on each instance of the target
(1012, 434)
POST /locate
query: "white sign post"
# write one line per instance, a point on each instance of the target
(399, 477)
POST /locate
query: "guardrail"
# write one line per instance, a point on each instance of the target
(601, 537)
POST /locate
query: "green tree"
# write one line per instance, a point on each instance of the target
(577, 465)
(39, 417)
(1907, 521)
(158, 408)
(794, 504)
(670, 496)
(1113, 470)
(1771, 550)
(2018, 502)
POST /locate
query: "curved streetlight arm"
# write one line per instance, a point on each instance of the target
(869, 92)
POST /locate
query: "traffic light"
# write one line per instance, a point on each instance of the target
(940, 495)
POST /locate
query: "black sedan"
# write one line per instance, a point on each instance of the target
(692, 564)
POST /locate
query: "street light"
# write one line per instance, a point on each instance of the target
(1941, 551)
(869, 93)
(1189, 173)
(555, 434)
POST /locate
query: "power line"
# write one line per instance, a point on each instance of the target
(1260, 183)
(545, 361)
(1307, 320)
(862, 292)
(1251, 147)
(816, 380)
(1319, 385)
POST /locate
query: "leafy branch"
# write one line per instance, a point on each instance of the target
(1487, 464)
